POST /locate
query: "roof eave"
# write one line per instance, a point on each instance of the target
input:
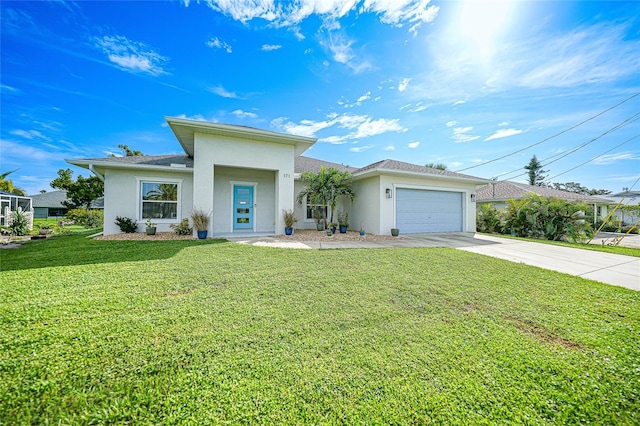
(121, 166)
(378, 172)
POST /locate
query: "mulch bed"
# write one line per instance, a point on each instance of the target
(298, 235)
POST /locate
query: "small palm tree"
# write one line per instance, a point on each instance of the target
(7, 185)
(325, 188)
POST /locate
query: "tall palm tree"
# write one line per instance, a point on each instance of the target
(7, 185)
(325, 187)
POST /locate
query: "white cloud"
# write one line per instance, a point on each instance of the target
(458, 103)
(364, 97)
(454, 164)
(340, 47)
(221, 91)
(131, 55)
(8, 89)
(244, 114)
(216, 43)
(286, 13)
(503, 133)
(504, 123)
(29, 134)
(360, 126)
(451, 123)
(612, 158)
(403, 84)
(360, 148)
(270, 47)
(414, 144)
(20, 151)
(460, 134)
(389, 148)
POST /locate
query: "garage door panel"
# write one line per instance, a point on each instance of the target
(420, 210)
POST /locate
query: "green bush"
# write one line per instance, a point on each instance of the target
(182, 228)
(489, 219)
(549, 218)
(19, 224)
(126, 224)
(86, 218)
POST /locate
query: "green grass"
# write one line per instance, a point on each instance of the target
(53, 222)
(627, 251)
(203, 332)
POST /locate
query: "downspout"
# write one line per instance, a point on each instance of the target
(95, 172)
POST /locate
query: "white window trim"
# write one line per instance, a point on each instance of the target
(307, 204)
(152, 179)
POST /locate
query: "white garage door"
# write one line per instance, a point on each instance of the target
(418, 210)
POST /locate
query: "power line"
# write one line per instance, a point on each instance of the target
(578, 147)
(590, 160)
(550, 137)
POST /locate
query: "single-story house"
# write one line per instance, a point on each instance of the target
(626, 199)
(49, 204)
(246, 177)
(498, 193)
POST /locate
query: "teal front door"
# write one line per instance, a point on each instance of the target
(242, 207)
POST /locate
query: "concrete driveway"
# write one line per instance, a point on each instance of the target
(608, 268)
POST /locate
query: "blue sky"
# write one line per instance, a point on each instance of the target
(459, 83)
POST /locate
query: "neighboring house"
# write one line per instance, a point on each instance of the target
(498, 193)
(50, 204)
(625, 199)
(246, 177)
(11, 202)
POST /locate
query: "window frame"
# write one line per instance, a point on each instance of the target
(308, 205)
(140, 181)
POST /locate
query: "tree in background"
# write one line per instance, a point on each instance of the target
(128, 152)
(81, 192)
(7, 185)
(439, 166)
(534, 168)
(579, 189)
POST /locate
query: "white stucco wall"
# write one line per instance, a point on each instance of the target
(212, 151)
(387, 205)
(264, 197)
(122, 197)
(366, 210)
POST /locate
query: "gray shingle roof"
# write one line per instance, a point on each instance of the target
(308, 164)
(412, 168)
(54, 199)
(147, 160)
(507, 190)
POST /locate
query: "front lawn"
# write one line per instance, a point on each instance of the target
(214, 332)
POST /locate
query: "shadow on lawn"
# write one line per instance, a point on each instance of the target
(78, 250)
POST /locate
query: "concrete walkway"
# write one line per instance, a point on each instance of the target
(594, 265)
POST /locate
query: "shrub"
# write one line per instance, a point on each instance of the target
(86, 218)
(489, 219)
(289, 218)
(200, 219)
(126, 224)
(551, 218)
(19, 224)
(182, 228)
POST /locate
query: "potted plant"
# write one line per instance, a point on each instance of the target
(151, 227)
(361, 231)
(289, 220)
(317, 216)
(45, 229)
(343, 221)
(200, 220)
(333, 226)
(395, 232)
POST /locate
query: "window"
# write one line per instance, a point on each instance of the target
(159, 200)
(311, 208)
